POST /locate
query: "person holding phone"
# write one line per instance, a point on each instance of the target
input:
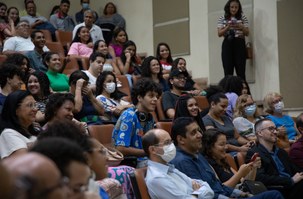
(214, 144)
(233, 26)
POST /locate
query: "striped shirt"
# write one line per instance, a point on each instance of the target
(222, 22)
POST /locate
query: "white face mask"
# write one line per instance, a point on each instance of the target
(279, 107)
(110, 87)
(169, 152)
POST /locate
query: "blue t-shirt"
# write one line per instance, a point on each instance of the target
(287, 122)
(128, 131)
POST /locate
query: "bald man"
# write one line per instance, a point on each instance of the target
(162, 179)
(38, 175)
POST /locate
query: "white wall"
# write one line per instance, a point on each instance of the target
(265, 41)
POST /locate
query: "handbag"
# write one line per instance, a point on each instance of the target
(253, 187)
(249, 51)
(114, 157)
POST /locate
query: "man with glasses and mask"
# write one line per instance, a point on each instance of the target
(176, 82)
(162, 179)
(276, 169)
(22, 41)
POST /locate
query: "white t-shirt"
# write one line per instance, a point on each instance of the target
(11, 141)
(92, 79)
(20, 44)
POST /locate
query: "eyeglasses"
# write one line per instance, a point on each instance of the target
(165, 143)
(32, 105)
(272, 129)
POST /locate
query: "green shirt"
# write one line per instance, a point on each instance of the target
(58, 81)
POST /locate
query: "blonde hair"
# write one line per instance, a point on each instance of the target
(268, 100)
(240, 105)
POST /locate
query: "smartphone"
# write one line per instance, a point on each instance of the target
(254, 157)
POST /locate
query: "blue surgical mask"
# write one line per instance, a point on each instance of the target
(250, 110)
(85, 6)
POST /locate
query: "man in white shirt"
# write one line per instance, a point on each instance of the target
(95, 31)
(162, 179)
(22, 41)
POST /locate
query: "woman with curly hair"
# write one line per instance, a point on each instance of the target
(151, 68)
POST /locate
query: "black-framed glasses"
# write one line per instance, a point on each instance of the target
(165, 143)
(272, 129)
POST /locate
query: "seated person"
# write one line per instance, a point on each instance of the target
(111, 98)
(276, 168)
(162, 179)
(216, 118)
(214, 145)
(81, 44)
(22, 41)
(190, 86)
(245, 116)
(273, 105)
(134, 122)
(296, 148)
(58, 80)
(187, 135)
(35, 21)
(96, 61)
(35, 56)
(79, 16)
(10, 81)
(61, 20)
(87, 108)
(94, 30)
(176, 82)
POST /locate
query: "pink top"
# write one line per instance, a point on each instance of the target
(3, 26)
(80, 49)
(118, 49)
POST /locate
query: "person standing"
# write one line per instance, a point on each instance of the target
(233, 25)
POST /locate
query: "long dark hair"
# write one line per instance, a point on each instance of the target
(145, 67)
(99, 85)
(133, 58)
(43, 81)
(227, 14)
(182, 110)
(169, 58)
(77, 37)
(9, 118)
(209, 139)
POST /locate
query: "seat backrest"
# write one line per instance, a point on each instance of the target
(138, 183)
(102, 133)
(64, 37)
(231, 161)
(159, 109)
(202, 102)
(56, 47)
(71, 66)
(165, 126)
(125, 88)
(47, 35)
